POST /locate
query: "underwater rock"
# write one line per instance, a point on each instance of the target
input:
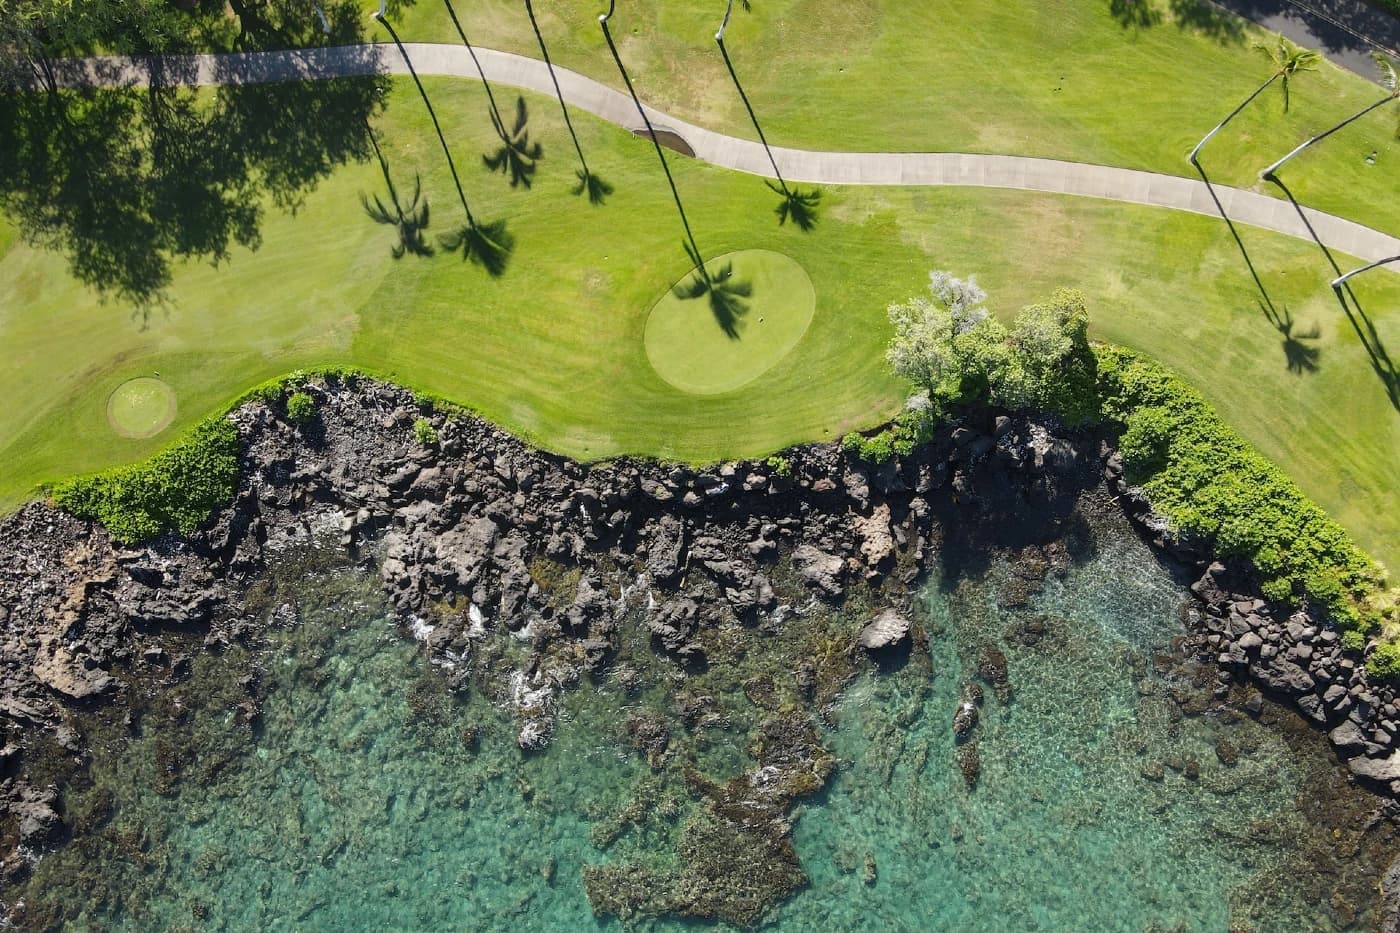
(966, 716)
(889, 627)
(992, 668)
(820, 570)
(969, 759)
(648, 733)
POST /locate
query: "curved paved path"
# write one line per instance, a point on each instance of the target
(797, 165)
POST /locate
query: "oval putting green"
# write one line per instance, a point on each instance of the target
(141, 407)
(714, 333)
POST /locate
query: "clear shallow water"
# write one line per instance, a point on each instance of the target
(363, 804)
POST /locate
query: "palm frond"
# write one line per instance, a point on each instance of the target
(1389, 80)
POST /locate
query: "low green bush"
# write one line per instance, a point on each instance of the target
(1213, 485)
(1384, 662)
(899, 438)
(424, 433)
(780, 465)
(177, 488)
(301, 408)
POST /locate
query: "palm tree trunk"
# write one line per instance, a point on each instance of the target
(446, 150)
(1268, 173)
(558, 92)
(719, 40)
(1234, 113)
(1341, 280)
(651, 131)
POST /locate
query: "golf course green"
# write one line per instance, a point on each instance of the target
(754, 308)
(141, 407)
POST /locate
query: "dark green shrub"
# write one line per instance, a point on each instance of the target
(301, 408)
(177, 488)
(424, 432)
(1384, 662)
(1279, 590)
(1213, 485)
(1353, 641)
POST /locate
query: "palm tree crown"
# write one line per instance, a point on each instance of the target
(1288, 59)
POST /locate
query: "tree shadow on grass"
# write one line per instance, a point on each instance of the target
(410, 222)
(1298, 356)
(596, 188)
(127, 181)
(517, 156)
(801, 207)
(1381, 362)
(1135, 14)
(727, 297)
(1209, 20)
(489, 244)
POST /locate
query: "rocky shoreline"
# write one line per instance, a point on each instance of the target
(520, 572)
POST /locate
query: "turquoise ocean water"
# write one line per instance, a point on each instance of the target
(371, 799)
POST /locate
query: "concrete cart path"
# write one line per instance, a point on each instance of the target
(797, 165)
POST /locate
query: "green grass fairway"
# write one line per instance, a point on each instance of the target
(555, 348)
(1062, 79)
(695, 347)
(141, 407)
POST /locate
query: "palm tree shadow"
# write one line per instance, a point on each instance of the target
(411, 222)
(597, 189)
(1300, 357)
(517, 156)
(799, 206)
(1381, 363)
(728, 297)
(488, 245)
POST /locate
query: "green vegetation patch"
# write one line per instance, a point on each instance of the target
(1211, 484)
(141, 407)
(715, 332)
(177, 488)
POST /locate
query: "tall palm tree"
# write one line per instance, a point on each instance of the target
(1288, 60)
(489, 245)
(799, 206)
(1389, 80)
(597, 189)
(691, 247)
